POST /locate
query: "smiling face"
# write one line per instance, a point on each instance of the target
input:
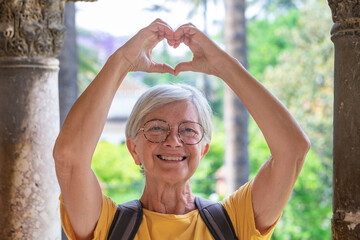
(170, 161)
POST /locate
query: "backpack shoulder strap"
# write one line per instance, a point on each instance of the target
(126, 221)
(216, 219)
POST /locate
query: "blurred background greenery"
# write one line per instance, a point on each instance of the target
(290, 52)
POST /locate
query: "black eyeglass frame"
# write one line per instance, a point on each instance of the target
(168, 132)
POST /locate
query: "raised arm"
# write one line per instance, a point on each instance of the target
(288, 144)
(82, 128)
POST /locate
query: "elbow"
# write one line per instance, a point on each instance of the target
(295, 148)
(302, 148)
(299, 146)
(61, 156)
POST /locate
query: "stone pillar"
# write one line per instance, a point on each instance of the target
(31, 36)
(29, 124)
(346, 177)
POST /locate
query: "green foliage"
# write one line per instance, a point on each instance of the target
(267, 39)
(119, 176)
(302, 78)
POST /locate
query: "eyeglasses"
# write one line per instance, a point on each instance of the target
(157, 131)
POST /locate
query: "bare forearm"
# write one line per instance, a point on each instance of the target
(86, 119)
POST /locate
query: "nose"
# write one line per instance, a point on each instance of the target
(173, 139)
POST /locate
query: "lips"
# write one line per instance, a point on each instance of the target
(171, 158)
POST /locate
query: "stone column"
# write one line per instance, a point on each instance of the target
(29, 123)
(346, 178)
(31, 36)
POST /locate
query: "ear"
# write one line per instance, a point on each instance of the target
(205, 150)
(131, 145)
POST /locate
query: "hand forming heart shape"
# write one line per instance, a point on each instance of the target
(206, 54)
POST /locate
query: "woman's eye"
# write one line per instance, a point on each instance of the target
(156, 129)
(188, 131)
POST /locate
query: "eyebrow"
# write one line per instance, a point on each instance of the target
(178, 123)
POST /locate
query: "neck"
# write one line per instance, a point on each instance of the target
(168, 198)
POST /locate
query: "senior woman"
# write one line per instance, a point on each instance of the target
(168, 134)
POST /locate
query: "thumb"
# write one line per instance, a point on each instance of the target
(183, 67)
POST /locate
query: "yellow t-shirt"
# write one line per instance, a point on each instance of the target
(186, 227)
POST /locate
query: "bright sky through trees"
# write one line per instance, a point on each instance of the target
(125, 18)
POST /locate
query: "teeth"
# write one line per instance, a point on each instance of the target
(168, 158)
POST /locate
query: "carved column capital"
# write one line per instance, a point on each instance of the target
(32, 28)
(346, 17)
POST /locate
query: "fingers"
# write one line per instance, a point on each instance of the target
(183, 67)
(162, 68)
(174, 38)
(184, 34)
(161, 29)
(151, 35)
(185, 29)
(159, 20)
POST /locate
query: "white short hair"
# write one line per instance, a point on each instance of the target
(160, 95)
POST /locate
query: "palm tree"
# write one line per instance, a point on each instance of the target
(235, 113)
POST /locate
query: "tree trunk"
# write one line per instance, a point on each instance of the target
(346, 178)
(235, 113)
